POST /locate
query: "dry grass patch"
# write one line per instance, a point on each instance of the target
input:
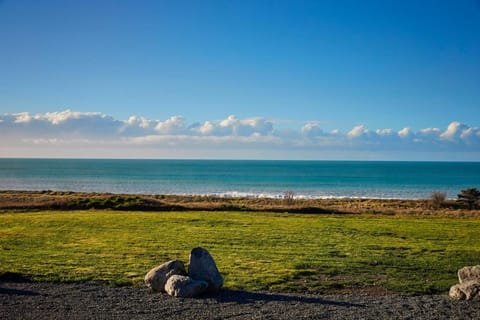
(53, 200)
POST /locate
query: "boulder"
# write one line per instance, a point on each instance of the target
(469, 273)
(156, 278)
(185, 287)
(203, 267)
(467, 290)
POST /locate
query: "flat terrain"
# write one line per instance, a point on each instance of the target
(91, 301)
(58, 200)
(279, 252)
(78, 255)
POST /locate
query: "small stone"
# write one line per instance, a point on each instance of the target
(203, 267)
(185, 287)
(469, 273)
(156, 278)
(456, 293)
(467, 290)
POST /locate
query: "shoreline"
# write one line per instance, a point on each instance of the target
(23, 200)
(221, 195)
(232, 194)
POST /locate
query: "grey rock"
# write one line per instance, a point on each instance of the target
(185, 287)
(467, 290)
(156, 278)
(469, 273)
(203, 267)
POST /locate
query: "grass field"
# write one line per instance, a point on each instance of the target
(254, 251)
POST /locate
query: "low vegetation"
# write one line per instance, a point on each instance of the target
(408, 254)
(438, 199)
(289, 197)
(470, 197)
(57, 200)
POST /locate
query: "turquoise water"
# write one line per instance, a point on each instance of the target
(307, 179)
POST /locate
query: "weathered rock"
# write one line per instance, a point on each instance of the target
(203, 267)
(185, 287)
(456, 293)
(467, 290)
(469, 273)
(156, 278)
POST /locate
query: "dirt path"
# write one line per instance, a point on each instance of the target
(24, 300)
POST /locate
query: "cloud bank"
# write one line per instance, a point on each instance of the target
(94, 134)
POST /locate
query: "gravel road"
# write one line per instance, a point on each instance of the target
(26, 300)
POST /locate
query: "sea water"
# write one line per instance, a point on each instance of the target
(306, 179)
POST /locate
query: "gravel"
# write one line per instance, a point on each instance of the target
(27, 300)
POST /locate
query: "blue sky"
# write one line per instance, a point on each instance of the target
(241, 79)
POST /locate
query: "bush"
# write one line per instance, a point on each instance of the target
(289, 197)
(469, 197)
(437, 199)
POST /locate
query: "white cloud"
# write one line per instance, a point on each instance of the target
(66, 131)
(232, 126)
(58, 118)
(22, 117)
(429, 132)
(312, 129)
(229, 122)
(61, 124)
(175, 124)
(358, 131)
(384, 132)
(405, 132)
(455, 131)
(139, 121)
(470, 134)
(207, 128)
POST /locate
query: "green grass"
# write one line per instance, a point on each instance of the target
(254, 251)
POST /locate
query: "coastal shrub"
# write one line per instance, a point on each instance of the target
(437, 199)
(469, 197)
(289, 197)
(111, 202)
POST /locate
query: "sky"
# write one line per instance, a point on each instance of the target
(342, 80)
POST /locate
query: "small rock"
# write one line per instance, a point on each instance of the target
(156, 278)
(203, 267)
(456, 293)
(467, 290)
(469, 273)
(185, 287)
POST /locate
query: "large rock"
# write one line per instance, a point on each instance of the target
(156, 278)
(203, 267)
(467, 290)
(469, 273)
(185, 287)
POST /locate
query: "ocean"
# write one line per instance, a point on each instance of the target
(306, 179)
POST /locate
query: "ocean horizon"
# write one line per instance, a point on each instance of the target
(242, 178)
